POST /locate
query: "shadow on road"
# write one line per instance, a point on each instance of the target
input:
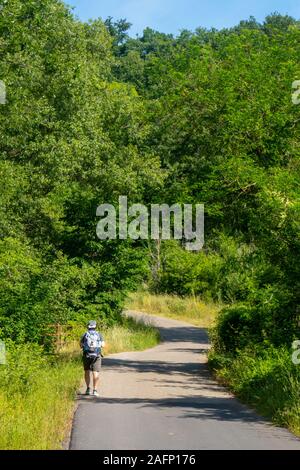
(159, 367)
(192, 405)
(181, 334)
(197, 407)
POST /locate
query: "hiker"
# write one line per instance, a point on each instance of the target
(91, 344)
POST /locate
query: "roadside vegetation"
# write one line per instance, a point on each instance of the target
(189, 309)
(264, 378)
(37, 391)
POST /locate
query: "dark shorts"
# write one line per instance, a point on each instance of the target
(93, 364)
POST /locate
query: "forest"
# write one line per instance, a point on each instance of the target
(206, 117)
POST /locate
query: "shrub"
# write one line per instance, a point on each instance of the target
(266, 378)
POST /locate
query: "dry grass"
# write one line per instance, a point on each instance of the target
(189, 309)
(131, 336)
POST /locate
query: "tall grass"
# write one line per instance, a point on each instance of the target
(266, 379)
(37, 414)
(130, 336)
(189, 309)
(37, 392)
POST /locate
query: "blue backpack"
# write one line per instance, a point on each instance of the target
(92, 344)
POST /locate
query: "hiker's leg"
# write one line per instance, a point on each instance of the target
(96, 377)
(87, 376)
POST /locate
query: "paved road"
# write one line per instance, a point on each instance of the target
(164, 398)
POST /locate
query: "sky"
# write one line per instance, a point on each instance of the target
(171, 16)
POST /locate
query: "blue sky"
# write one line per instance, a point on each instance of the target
(170, 16)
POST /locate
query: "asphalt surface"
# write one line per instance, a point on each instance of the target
(165, 398)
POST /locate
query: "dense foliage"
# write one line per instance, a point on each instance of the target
(205, 117)
(71, 138)
(227, 133)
